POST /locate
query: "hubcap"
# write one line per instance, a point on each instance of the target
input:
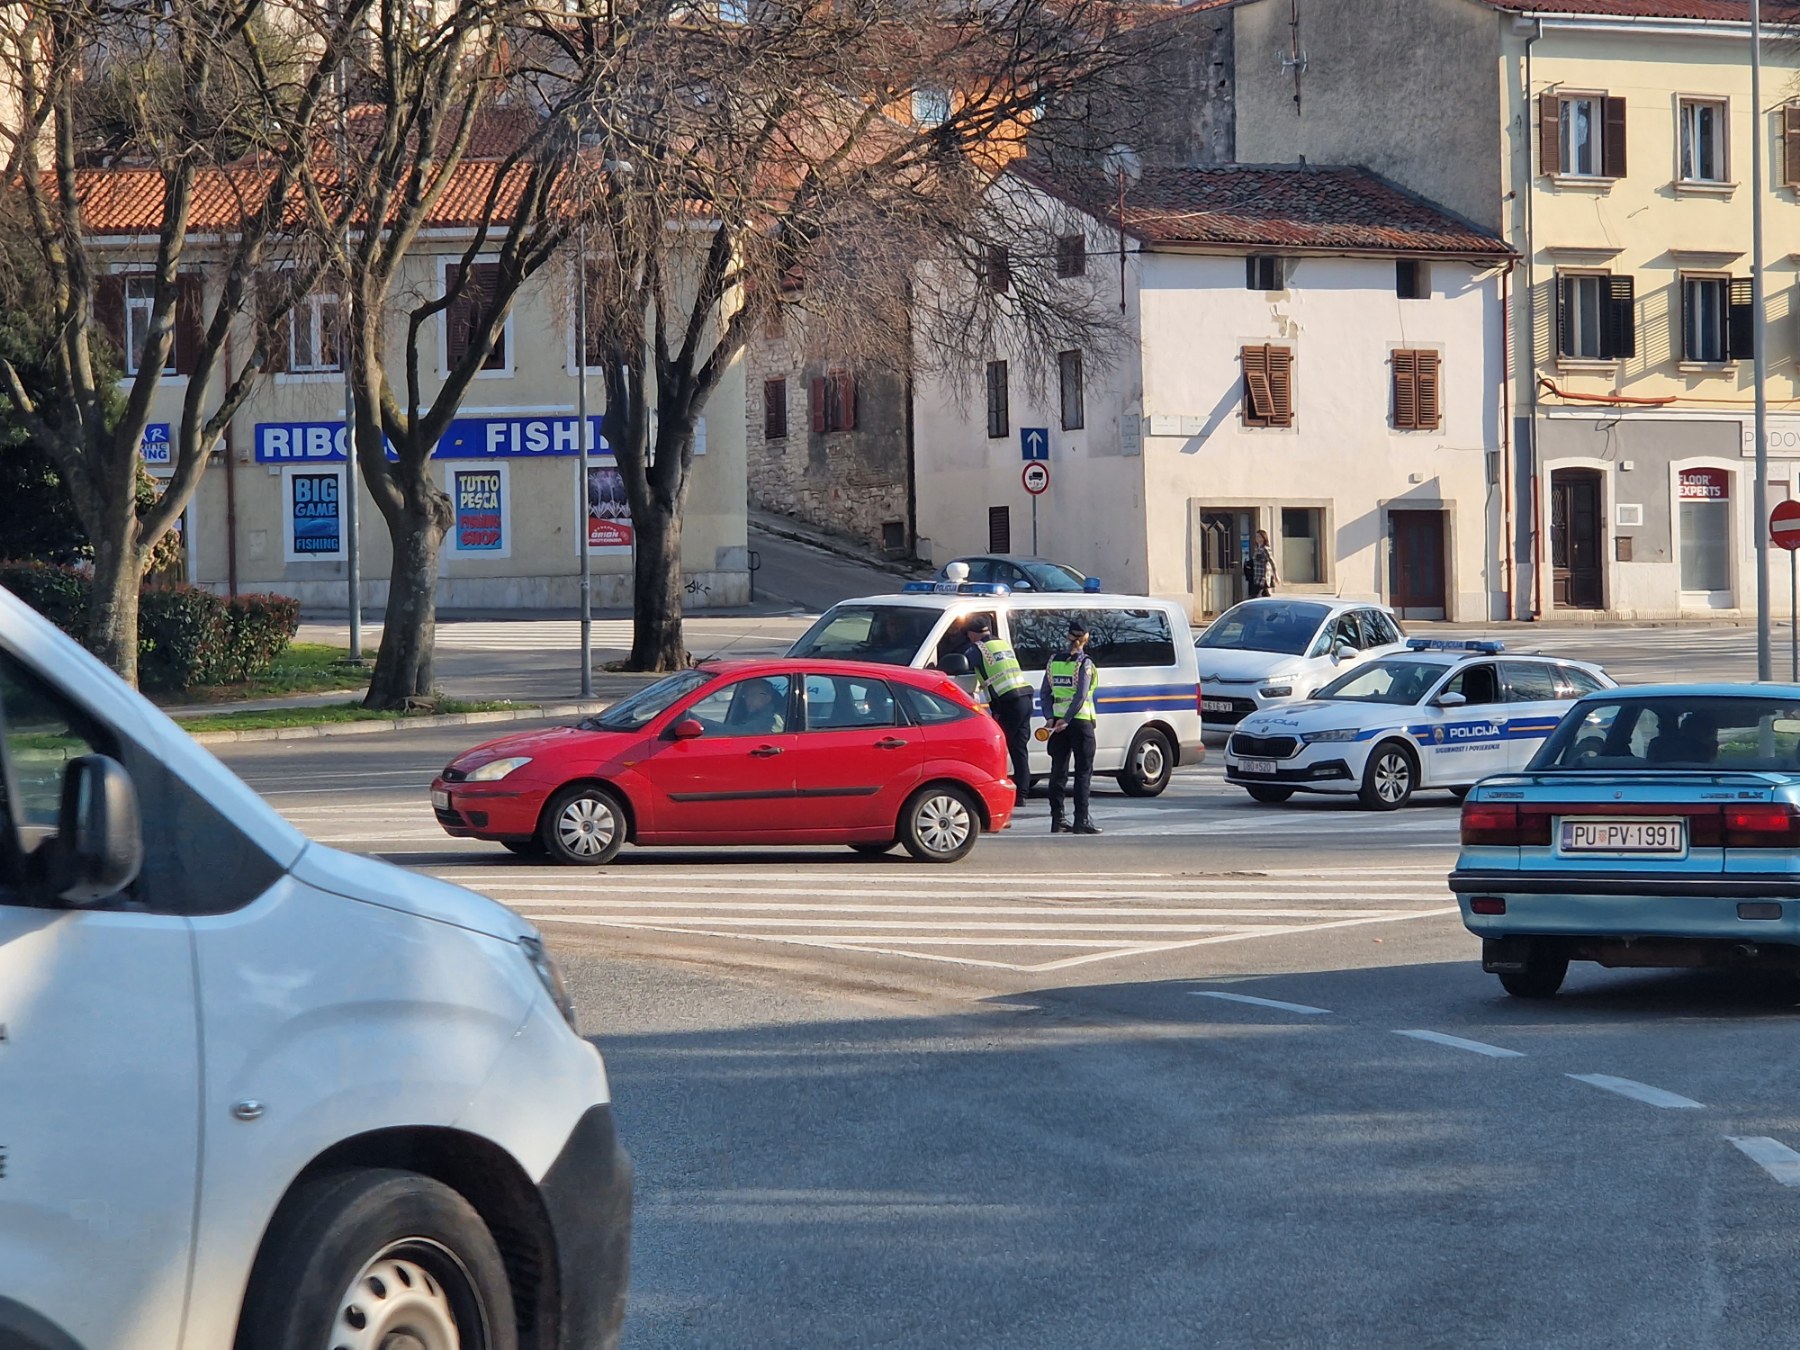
(586, 827)
(943, 823)
(1150, 762)
(1392, 777)
(394, 1303)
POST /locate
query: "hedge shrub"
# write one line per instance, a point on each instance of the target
(186, 636)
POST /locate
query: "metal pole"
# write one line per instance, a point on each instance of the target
(581, 420)
(1034, 544)
(1759, 319)
(1793, 616)
(352, 478)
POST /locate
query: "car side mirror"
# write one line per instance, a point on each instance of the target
(1343, 652)
(954, 664)
(1021, 585)
(99, 844)
(1448, 699)
(687, 729)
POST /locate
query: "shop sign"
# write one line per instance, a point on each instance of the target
(476, 494)
(314, 508)
(465, 438)
(1705, 485)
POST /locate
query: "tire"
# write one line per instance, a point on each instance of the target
(525, 848)
(1458, 793)
(362, 1258)
(940, 823)
(1271, 795)
(1542, 977)
(872, 850)
(1148, 764)
(584, 825)
(1389, 777)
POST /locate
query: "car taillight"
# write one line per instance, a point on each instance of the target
(1762, 825)
(1504, 824)
(1199, 699)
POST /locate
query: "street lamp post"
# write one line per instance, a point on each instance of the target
(581, 441)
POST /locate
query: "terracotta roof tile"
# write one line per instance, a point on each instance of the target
(1274, 206)
(1774, 12)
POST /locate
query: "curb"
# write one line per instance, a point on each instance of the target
(526, 713)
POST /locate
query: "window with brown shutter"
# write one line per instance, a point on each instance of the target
(1415, 390)
(998, 413)
(188, 298)
(840, 401)
(1550, 159)
(1581, 135)
(774, 409)
(1790, 144)
(1268, 386)
(1071, 255)
(816, 403)
(467, 312)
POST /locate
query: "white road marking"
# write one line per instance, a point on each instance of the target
(1639, 1092)
(1260, 1002)
(1458, 1043)
(1773, 1156)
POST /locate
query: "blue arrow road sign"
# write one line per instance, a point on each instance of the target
(1034, 442)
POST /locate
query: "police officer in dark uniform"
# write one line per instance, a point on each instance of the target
(1070, 683)
(1009, 696)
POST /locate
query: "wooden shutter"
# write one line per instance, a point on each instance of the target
(1406, 390)
(188, 298)
(774, 409)
(1790, 144)
(1612, 140)
(1549, 134)
(843, 388)
(1428, 385)
(1621, 318)
(1259, 401)
(1281, 386)
(998, 410)
(109, 311)
(1740, 320)
(999, 529)
(999, 268)
(817, 394)
(1565, 307)
(468, 312)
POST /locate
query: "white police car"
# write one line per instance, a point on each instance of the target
(1438, 715)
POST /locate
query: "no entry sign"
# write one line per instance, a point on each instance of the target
(1784, 525)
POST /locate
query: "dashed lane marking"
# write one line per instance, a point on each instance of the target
(1639, 1092)
(1251, 999)
(1773, 1156)
(1459, 1043)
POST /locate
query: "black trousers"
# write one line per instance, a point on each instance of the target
(1013, 713)
(1075, 741)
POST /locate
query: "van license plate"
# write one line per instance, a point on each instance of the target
(1624, 836)
(1257, 766)
(440, 801)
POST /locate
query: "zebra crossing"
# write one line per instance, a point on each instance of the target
(1002, 923)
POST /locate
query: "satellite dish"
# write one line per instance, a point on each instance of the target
(1122, 162)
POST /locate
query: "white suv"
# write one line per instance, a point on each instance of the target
(1279, 648)
(256, 1092)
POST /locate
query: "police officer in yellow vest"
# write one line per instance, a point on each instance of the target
(1009, 696)
(1070, 683)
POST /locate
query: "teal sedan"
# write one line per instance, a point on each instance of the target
(1657, 826)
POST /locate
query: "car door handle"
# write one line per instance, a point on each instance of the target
(765, 751)
(889, 743)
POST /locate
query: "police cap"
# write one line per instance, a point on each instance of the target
(1076, 628)
(980, 623)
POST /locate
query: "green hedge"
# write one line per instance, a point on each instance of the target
(186, 636)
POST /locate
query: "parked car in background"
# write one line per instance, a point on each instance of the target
(1280, 648)
(1658, 826)
(745, 752)
(1019, 573)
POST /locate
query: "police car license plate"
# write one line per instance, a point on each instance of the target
(1257, 766)
(1613, 835)
(440, 800)
(1215, 705)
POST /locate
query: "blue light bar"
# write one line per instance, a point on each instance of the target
(953, 588)
(1449, 645)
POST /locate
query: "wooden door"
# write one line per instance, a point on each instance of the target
(1416, 582)
(1575, 539)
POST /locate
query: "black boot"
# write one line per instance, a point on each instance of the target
(1086, 827)
(1058, 825)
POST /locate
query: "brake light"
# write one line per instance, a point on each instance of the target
(1762, 825)
(1199, 699)
(1504, 824)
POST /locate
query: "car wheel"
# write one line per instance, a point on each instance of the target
(1459, 792)
(872, 850)
(377, 1258)
(1389, 777)
(939, 823)
(583, 824)
(1148, 764)
(1270, 794)
(1542, 977)
(525, 848)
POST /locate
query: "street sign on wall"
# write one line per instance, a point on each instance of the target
(1034, 443)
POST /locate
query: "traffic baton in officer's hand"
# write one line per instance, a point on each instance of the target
(1042, 733)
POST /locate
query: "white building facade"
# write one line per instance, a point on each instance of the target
(1307, 351)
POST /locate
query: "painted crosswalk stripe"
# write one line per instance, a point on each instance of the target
(1459, 1043)
(1639, 1092)
(1251, 999)
(1773, 1156)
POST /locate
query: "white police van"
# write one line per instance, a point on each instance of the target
(257, 1092)
(1148, 701)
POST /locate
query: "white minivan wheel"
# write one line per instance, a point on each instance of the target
(375, 1259)
(1148, 764)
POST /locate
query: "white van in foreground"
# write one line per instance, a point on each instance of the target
(1149, 696)
(258, 1093)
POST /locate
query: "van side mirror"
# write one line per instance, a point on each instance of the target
(1449, 699)
(954, 664)
(99, 844)
(687, 729)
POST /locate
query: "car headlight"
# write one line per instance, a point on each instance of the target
(497, 769)
(1316, 737)
(1276, 690)
(552, 977)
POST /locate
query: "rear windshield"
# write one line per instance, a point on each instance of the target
(1676, 732)
(891, 634)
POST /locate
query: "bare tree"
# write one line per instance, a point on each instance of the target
(205, 111)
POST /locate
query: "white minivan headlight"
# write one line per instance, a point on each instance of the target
(497, 768)
(551, 974)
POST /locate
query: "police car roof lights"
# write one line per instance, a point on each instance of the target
(1487, 647)
(955, 588)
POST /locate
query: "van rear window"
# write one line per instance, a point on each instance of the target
(1120, 637)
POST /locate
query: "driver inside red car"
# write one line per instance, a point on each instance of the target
(756, 711)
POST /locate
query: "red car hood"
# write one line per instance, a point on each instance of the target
(549, 741)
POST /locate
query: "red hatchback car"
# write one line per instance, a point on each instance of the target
(749, 752)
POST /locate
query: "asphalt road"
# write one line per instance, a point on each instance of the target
(1228, 1075)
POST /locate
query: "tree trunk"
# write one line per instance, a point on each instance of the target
(112, 620)
(403, 665)
(656, 590)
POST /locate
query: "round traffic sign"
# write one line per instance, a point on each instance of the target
(1784, 525)
(1036, 477)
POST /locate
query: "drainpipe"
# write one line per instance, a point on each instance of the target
(1506, 447)
(231, 531)
(1528, 348)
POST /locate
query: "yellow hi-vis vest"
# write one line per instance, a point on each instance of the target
(1062, 689)
(1003, 673)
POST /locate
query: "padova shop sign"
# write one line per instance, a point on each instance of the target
(466, 438)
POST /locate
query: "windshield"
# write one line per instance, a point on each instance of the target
(892, 634)
(1045, 576)
(643, 706)
(1286, 626)
(1684, 731)
(1395, 681)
